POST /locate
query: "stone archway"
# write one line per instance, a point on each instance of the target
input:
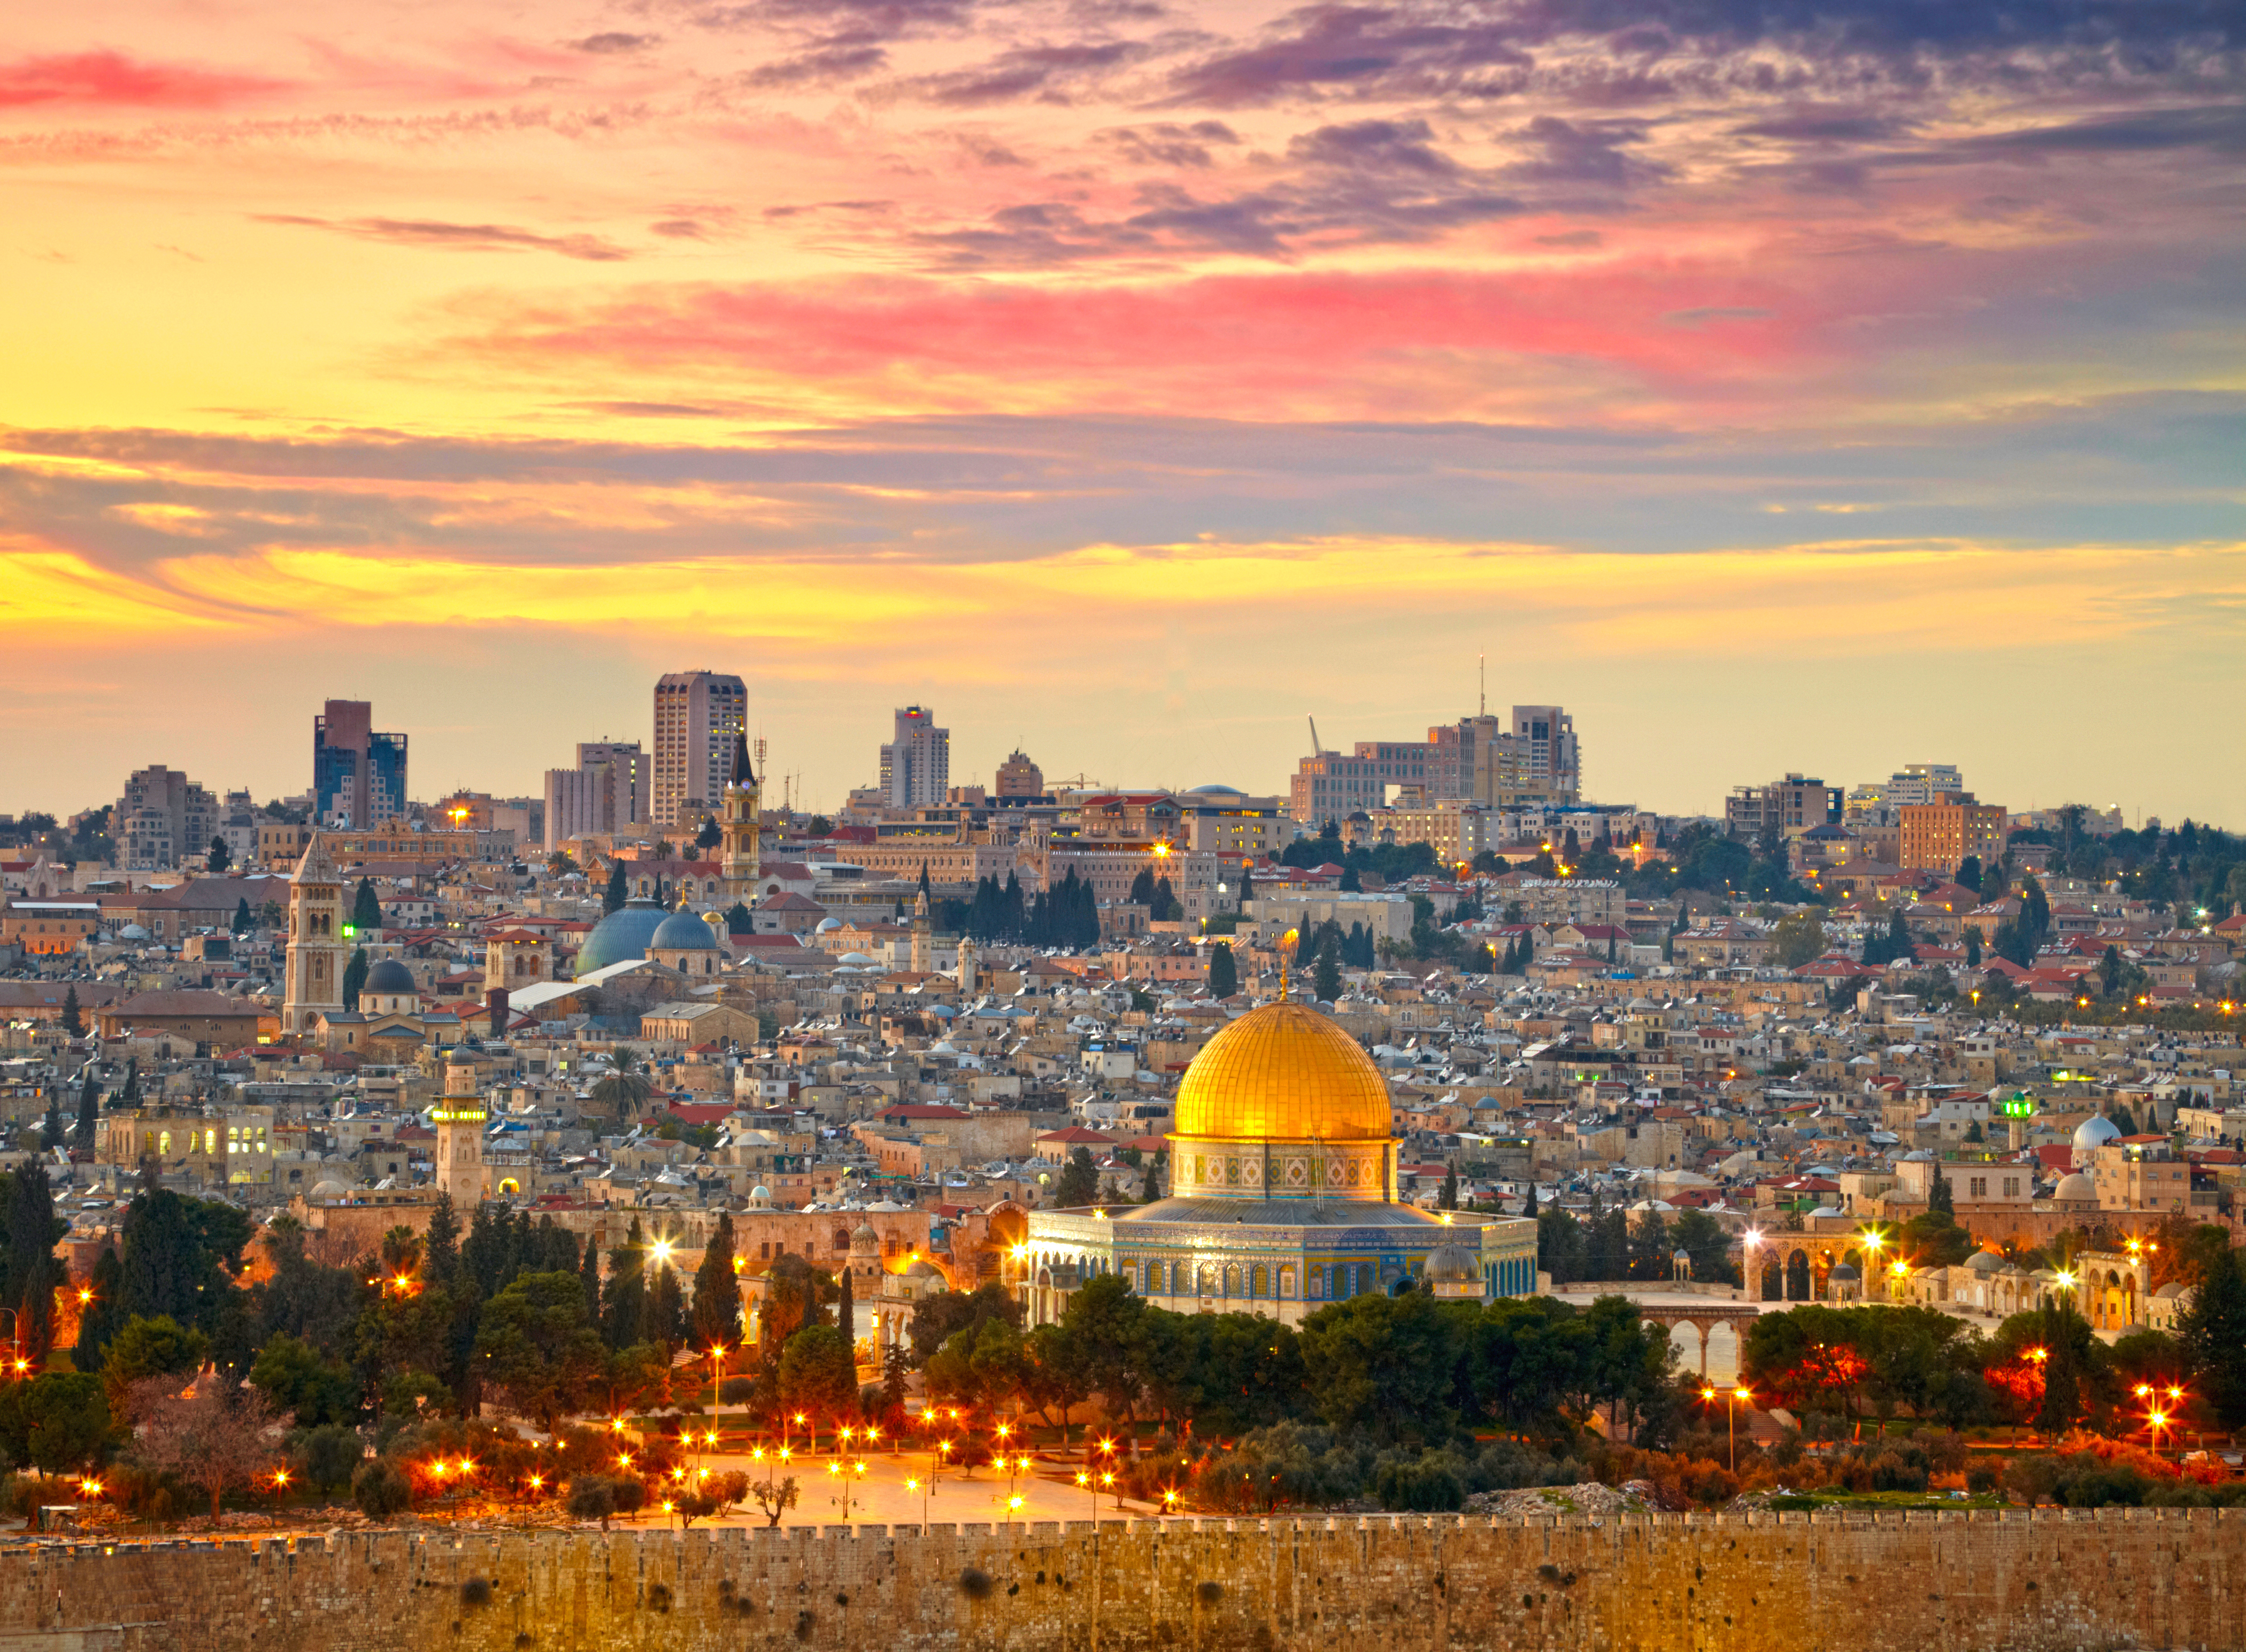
(1797, 1276)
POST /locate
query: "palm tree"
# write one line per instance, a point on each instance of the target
(623, 1092)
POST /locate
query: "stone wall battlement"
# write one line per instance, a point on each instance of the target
(1957, 1580)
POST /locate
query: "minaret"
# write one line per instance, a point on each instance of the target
(460, 1117)
(966, 971)
(317, 949)
(920, 937)
(739, 863)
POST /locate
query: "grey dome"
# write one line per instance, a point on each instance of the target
(2096, 1130)
(622, 936)
(1986, 1261)
(1846, 1272)
(1453, 1265)
(388, 977)
(683, 932)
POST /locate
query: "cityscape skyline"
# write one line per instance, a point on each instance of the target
(825, 774)
(1863, 372)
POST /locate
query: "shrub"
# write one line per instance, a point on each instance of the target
(380, 1491)
(1981, 1479)
(328, 1455)
(1430, 1485)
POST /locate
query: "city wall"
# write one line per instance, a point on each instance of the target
(2066, 1581)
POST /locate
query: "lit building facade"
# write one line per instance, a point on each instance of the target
(317, 949)
(1284, 1185)
(917, 761)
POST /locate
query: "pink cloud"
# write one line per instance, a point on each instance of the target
(1253, 341)
(113, 78)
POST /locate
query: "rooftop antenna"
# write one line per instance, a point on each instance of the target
(1481, 672)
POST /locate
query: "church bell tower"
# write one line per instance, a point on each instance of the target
(739, 863)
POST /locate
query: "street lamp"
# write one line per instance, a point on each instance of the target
(1736, 1394)
(927, 1489)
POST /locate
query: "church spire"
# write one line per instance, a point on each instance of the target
(743, 775)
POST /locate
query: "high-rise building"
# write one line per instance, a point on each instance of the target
(1877, 802)
(358, 776)
(1549, 764)
(1019, 777)
(161, 816)
(1788, 807)
(1937, 836)
(1489, 760)
(612, 790)
(916, 763)
(698, 716)
(317, 949)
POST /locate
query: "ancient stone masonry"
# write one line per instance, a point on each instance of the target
(1955, 1582)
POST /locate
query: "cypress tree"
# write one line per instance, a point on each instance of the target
(613, 898)
(105, 1316)
(354, 978)
(588, 1271)
(366, 907)
(1449, 1198)
(32, 1272)
(440, 1249)
(1327, 977)
(1223, 972)
(717, 1290)
(89, 1110)
(50, 1127)
(242, 922)
(625, 1305)
(846, 1308)
(663, 1315)
(73, 1017)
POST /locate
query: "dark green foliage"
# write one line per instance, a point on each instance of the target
(1080, 1180)
(617, 892)
(179, 1256)
(717, 1290)
(73, 1017)
(354, 981)
(380, 1490)
(366, 907)
(937, 1319)
(1223, 971)
(102, 1317)
(55, 1422)
(31, 1273)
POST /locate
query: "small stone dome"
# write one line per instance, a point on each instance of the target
(331, 1190)
(683, 932)
(1452, 1265)
(1844, 1273)
(864, 1231)
(923, 1269)
(2076, 1186)
(388, 977)
(2095, 1131)
(1986, 1261)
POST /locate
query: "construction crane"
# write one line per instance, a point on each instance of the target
(1316, 751)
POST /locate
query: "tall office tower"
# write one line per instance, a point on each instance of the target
(610, 791)
(698, 716)
(358, 776)
(1550, 762)
(1019, 777)
(162, 816)
(916, 764)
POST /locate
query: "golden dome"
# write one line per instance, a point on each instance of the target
(1283, 1073)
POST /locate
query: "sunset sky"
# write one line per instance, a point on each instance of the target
(1777, 384)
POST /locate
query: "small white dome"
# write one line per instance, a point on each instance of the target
(2096, 1130)
(2074, 1187)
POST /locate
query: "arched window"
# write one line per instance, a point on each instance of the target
(1261, 1284)
(1154, 1279)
